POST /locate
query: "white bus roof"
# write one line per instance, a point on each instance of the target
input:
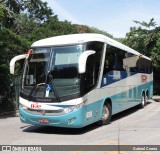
(82, 38)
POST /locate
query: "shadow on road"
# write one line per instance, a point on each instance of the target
(59, 130)
(127, 112)
(75, 131)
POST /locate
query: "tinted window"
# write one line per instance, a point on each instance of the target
(113, 59)
(117, 59)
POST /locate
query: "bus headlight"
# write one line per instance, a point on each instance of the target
(23, 107)
(73, 108)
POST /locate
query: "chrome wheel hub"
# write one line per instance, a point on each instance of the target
(105, 113)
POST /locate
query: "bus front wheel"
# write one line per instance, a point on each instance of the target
(106, 114)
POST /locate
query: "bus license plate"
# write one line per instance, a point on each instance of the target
(43, 120)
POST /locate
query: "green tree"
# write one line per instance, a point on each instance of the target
(2, 15)
(10, 7)
(10, 43)
(143, 38)
(37, 10)
(23, 25)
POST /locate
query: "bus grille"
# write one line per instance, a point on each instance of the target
(45, 112)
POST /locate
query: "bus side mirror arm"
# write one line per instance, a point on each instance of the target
(83, 59)
(13, 61)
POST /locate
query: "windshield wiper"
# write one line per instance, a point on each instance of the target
(33, 89)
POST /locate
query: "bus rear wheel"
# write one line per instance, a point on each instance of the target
(143, 101)
(106, 115)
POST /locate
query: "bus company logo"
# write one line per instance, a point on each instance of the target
(35, 106)
(143, 78)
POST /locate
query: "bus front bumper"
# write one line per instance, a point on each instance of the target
(74, 119)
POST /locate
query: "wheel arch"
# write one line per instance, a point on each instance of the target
(143, 93)
(147, 93)
(107, 100)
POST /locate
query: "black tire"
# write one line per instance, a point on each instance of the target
(143, 101)
(106, 115)
(147, 97)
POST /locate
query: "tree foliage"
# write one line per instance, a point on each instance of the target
(21, 23)
(2, 14)
(36, 9)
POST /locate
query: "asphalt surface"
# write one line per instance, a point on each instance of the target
(132, 127)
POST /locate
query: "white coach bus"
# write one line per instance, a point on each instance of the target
(79, 79)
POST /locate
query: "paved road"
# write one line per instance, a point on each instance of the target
(132, 127)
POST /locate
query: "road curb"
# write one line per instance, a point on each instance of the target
(156, 98)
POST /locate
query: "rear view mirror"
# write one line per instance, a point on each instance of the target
(13, 61)
(82, 60)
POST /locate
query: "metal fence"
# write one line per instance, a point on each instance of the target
(9, 97)
(17, 87)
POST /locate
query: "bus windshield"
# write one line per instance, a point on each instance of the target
(52, 72)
